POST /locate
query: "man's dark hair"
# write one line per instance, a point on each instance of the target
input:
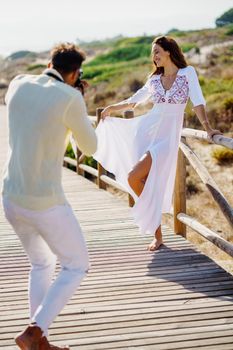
(66, 58)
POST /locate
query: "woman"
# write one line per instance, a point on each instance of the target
(142, 152)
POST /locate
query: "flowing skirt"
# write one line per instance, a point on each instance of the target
(122, 143)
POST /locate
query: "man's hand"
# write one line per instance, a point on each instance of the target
(83, 86)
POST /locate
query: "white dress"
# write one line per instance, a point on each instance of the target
(122, 142)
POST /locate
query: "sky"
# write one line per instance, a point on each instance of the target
(38, 25)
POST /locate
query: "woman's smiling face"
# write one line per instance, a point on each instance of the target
(160, 56)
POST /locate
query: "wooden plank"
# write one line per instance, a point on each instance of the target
(176, 298)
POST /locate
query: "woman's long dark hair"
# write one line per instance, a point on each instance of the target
(176, 54)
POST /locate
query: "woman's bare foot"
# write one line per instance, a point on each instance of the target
(157, 241)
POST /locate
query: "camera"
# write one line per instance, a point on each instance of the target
(78, 84)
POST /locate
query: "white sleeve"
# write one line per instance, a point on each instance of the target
(77, 121)
(195, 92)
(11, 88)
(141, 95)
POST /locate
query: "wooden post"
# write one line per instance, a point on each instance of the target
(129, 114)
(78, 170)
(101, 170)
(179, 203)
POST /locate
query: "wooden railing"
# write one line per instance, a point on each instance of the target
(181, 219)
(102, 177)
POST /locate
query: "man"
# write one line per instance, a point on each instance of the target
(42, 111)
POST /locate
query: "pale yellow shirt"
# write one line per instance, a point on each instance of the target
(41, 112)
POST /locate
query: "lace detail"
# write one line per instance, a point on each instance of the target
(157, 91)
(177, 94)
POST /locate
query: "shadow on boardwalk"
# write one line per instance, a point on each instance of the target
(191, 275)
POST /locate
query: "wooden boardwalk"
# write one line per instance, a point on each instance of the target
(176, 298)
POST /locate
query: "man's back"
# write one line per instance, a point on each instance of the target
(41, 111)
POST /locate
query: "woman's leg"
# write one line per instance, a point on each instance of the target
(157, 241)
(137, 179)
(138, 175)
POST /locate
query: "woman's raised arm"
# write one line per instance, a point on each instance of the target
(140, 96)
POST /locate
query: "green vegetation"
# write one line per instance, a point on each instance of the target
(36, 66)
(229, 30)
(123, 54)
(119, 66)
(225, 19)
(69, 151)
(222, 155)
(88, 160)
(113, 73)
(21, 54)
(91, 162)
(174, 32)
(216, 86)
(189, 46)
(106, 66)
(115, 63)
(107, 72)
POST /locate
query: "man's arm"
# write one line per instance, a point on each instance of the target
(77, 121)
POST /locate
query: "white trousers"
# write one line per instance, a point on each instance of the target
(48, 235)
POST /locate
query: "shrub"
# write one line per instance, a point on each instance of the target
(222, 155)
(36, 66)
(189, 46)
(191, 188)
(21, 54)
(227, 73)
(100, 97)
(69, 151)
(3, 85)
(229, 30)
(91, 162)
(228, 104)
(112, 72)
(88, 160)
(176, 32)
(123, 54)
(216, 85)
(135, 84)
(125, 42)
(225, 19)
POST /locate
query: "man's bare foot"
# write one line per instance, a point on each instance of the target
(154, 245)
(157, 241)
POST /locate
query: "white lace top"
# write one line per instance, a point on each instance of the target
(185, 85)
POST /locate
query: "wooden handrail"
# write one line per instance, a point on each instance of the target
(205, 232)
(181, 219)
(202, 135)
(209, 182)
